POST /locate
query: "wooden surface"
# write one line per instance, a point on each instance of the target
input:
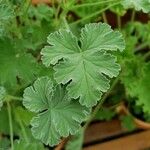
(137, 141)
(103, 130)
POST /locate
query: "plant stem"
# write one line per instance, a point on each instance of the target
(143, 45)
(57, 11)
(147, 55)
(91, 4)
(10, 125)
(119, 21)
(11, 97)
(66, 24)
(104, 17)
(23, 131)
(133, 16)
(94, 14)
(26, 6)
(100, 103)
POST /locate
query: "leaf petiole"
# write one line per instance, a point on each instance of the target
(100, 103)
(10, 125)
(94, 14)
(91, 4)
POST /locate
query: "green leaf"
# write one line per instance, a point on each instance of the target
(135, 77)
(22, 115)
(53, 106)
(4, 143)
(86, 63)
(128, 122)
(143, 88)
(118, 9)
(15, 64)
(131, 74)
(23, 145)
(138, 5)
(41, 11)
(6, 15)
(105, 114)
(76, 141)
(2, 95)
(4, 125)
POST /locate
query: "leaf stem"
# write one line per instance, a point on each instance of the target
(143, 45)
(10, 125)
(11, 97)
(91, 4)
(133, 15)
(104, 17)
(147, 55)
(94, 14)
(26, 6)
(119, 21)
(23, 131)
(100, 103)
(66, 24)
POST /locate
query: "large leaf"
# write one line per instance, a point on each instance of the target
(15, 63)
(138, 5)
(2, 95)
(86, 62)
(58, 115)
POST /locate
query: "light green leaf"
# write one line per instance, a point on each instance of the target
(32, 145)
(23, 116)
(58, 115)
(138, 5)
(76, 141)
(86, 62)
(118, 9)
(143, 87)
(135, 78)
(2, 95)
(6, 15)
(15, 64)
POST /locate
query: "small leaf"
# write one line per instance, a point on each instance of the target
(86, 63)
(2, 95)
(58, 115)
(128, 122)
(23, 116)
(15, 63)
(76, 141)
(138, 5)
(105, 114)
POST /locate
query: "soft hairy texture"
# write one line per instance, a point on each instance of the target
(2, 95)
(138, 5)
(84, 63)
(15, 63)
(57, 115)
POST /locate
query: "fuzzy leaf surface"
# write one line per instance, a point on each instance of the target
(15, 63)
(2, 95)
(57, 115)
(85, 62)
(143, 5)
